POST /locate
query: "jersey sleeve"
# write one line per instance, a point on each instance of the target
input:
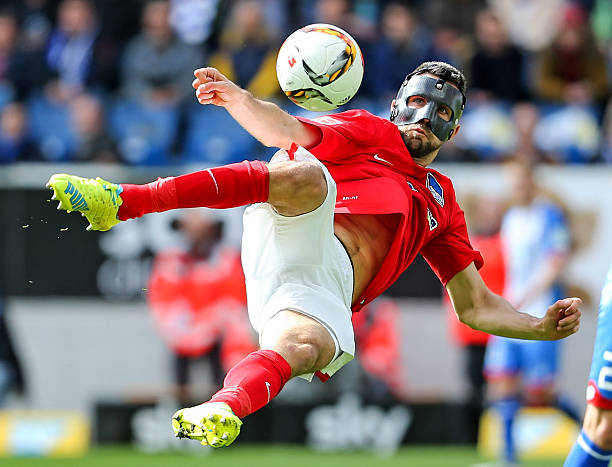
(343, 132)
(451, 251)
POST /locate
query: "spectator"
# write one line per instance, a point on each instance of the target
(193, 20)
(198, 301)
(247, 53)
(461, 17)
(12, 65)
(35, 23)
(526, 117)
(541, 15)
(78, 55)
(402, 40)
(158, 68)
(93, 142)
(496, 69)
(340, 13)
(572, 69)
(15, 142)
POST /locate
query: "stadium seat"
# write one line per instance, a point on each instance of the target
(6, 94)
(145, 134)
(213, 136)
(50, 128)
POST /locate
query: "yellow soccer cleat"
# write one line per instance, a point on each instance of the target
(212, 423)
(96, 199)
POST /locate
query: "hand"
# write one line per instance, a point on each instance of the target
(562, 319)
(214, 88)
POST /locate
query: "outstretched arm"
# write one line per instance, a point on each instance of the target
(267, 122)
(481, 309)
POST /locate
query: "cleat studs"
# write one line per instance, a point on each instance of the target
(224, 436)
(89, 227)
(211, 418)
(59, 206)
(215, 441)
(222, 420)
(53, 197)
(68, 210)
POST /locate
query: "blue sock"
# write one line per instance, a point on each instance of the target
(586, 453)
(507, 409)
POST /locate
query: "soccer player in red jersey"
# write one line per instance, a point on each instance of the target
(336, 216)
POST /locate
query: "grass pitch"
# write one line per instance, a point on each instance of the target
(268, 456)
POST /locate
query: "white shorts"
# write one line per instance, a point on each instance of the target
(297, 263)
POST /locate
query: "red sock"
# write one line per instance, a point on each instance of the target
(254, 382)
(227, 186)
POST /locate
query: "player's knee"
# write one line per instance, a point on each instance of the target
(603, 436)
(539, 397)
(307, 354)
(296, 187)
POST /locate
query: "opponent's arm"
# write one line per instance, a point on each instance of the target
(481, 309)
(267, 122)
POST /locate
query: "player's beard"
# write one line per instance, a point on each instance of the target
(420, 147)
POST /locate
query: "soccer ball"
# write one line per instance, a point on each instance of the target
(319, 67)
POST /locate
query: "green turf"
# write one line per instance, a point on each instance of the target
(267, 456)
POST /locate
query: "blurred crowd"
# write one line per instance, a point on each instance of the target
(110, 81)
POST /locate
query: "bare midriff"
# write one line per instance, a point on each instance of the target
(367, 238)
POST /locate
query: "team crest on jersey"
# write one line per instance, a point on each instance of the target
(433, 223)
(435, 189)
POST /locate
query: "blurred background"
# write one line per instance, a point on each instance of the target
(104, 335)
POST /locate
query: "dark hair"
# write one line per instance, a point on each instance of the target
(444, 71)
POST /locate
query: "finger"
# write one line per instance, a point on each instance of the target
(204, 98)
(196, 83)
(576, 302)
(213, 86)
(569, 321)
(204, 94)
(209, 74)
(569, 330)
(574, 330)
(567, 327)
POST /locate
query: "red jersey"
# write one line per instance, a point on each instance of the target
(375, 174)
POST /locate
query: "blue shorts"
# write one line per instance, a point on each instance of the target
(599, 391)
(537, 362)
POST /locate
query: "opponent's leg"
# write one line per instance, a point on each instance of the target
(593, 448)
(292, 187)
(507, 403)
(502, 367)
(292, 344)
